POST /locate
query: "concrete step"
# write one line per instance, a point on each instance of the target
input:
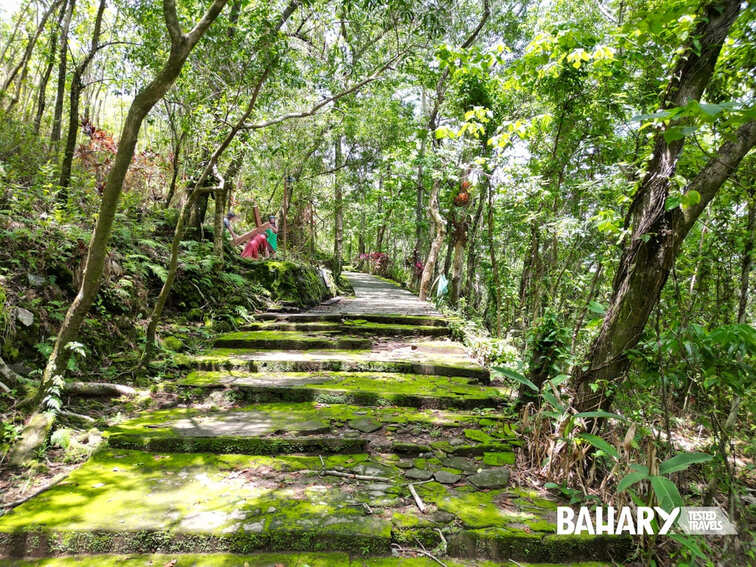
(353, 327)
(287, 428)
(358, 388)
(407, 359)
(135, 502)
(292, 340)
(385, 318)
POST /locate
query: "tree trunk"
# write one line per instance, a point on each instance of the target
(460, 241)
(75, 94)
(175, 170)
(591, 295)
(52, 379)
(492, 252)
(472, 249)
(747, 261)
(19, 18)
(657, 233)
(338, 213)
(439, 224)
(27, 52)
(62, 64)
(42, 92)
(220, 200)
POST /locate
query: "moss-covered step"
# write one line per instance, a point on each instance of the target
(359, 388)
(291, 340)
(353, 327)
(285, 428)
(258, 560)
(136, 502)
(386, 318)
(402, 361)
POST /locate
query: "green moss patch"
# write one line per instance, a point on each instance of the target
(334, 361)
(384, 318)
(360, 388)
(353, 327)
(292, 340)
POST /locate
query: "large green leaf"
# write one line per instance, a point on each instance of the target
(600, 413)
(516, 376)
(666, 492)
(630, 479)
(683, 461)
(600, 443)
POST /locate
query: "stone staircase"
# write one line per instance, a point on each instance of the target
(334, 438)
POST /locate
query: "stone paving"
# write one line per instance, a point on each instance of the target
(383, 442)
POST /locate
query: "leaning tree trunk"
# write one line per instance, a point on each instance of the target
(52, 380)
(62, 64)
(75, 95)
(656, 234)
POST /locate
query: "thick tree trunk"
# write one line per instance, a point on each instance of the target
(220, 199)
(460, 241)
(62, 64)
(657, 233)
(52, 379)
(439, 224)
(746, 264)
(75, 95)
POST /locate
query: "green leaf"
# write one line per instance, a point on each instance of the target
(630, 479)
(690, 198)
(552, 399)
(683, 461)
(600, 413)
(671, 203)
(600, 443)
(517, 377)
(596, 307)
(690, 544)
(666, 492)
(559, 379)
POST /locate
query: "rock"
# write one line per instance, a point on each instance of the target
(404, 464)
(25, 316)
(409, 448)
(365, 424)
(446, 477)
(441, 517)
(492, 478)
(417, 474)
(461, 463)
(35, 280)
(456, 442)
(311, 427)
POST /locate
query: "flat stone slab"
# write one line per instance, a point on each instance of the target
(135, 502)
(363, 388)
(291, 340)
(444, 359)
(376, 295)
(492, 478)
(285, 428)
(353, 327)
(321, 317)
(446, 477)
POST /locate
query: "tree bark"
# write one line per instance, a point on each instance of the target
(492, 252)
(746, 264)
(62, 64)
(52, 378)
(175, 170)
(338, 213)
(656, 234)
(220, 200)
(75, 94)
(27, 52)
(16, 27)
(460, 241)
(42, 92)
(591, 295)
(472, 249)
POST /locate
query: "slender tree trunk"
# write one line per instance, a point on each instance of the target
(62, 65)
(656, 234)
(338, 212)
(27, 52)
(52, 378)
(220, 199)
(472, 249)
(492, 252)
(16, 27)
(75, 95)
(746, 264)
(591, 296)
(175, 172)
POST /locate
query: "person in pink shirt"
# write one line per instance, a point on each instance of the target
(256, 244)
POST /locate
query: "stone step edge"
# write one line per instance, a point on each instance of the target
(387, 318)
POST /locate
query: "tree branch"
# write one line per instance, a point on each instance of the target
(171, 21)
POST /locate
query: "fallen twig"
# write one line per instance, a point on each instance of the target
(417, 498)
(428, 554)
(443, 539)
(354, 476)
(76, 416)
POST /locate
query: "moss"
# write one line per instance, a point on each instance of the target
(289, 282)
(295, 340)
(387, 318)
(362, 388)
(498, 459)
(353, 327)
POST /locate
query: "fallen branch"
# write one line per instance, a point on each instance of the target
(355, 476)
(417, 498)
(9, 376)
(98, 389)
(428, 554)
(77, 417)
(56, 479)
(4, 388)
